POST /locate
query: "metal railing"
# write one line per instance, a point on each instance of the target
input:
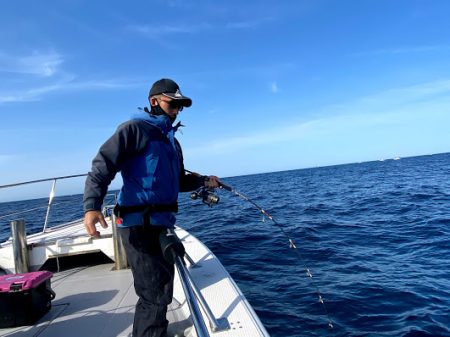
(19, 233)
(192, 292)
(51, 196)
(193, 295)
(197, 318)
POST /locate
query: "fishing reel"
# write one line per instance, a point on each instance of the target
(207, 196)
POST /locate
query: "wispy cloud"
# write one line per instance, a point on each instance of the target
(249, 24)
(4, 158)
(104, 84)
(407, 94)
(44, 64)
(155, 31)
(29, 95)
(37, 93)
(274, 87)
(404, 50)
(44, 68)
(233, 144)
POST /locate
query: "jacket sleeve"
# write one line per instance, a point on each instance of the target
(190, 181)
(127, 141)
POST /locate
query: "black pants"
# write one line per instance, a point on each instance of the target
(153, 279)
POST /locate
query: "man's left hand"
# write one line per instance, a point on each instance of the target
(212, 182)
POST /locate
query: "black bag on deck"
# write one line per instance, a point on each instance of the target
(24, 298)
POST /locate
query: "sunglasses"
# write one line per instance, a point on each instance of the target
(173, 104)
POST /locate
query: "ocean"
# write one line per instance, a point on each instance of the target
(375, 236)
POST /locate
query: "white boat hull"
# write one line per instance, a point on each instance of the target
(99, 301)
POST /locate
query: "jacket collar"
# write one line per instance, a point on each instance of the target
(162, 122)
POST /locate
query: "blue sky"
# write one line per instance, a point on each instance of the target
(276, 85)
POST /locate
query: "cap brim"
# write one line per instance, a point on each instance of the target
(185, 101)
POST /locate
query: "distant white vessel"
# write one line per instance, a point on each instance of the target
(397, 158)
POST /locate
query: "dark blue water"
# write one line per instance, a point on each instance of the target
(375, 235)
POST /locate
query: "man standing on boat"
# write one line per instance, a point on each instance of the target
(150, 160)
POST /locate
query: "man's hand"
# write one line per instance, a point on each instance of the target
(90, 219)
(212, 182)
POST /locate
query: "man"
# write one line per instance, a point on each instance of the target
(150, 160)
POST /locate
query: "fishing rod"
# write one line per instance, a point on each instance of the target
(209, 198)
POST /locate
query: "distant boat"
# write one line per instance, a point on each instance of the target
(397, 158)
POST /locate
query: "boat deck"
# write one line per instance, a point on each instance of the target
(95, 301)
(99, 301)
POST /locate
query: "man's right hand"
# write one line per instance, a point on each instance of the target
(90, 220)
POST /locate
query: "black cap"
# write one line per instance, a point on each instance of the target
(170, 89)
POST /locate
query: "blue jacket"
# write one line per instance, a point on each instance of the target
(150, 160)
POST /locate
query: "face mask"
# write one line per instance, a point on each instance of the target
(157, 111)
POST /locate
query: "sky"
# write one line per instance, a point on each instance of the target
(276, 85)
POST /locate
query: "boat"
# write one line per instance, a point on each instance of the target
(93, 286)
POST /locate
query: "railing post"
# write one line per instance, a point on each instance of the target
(120, 256)
(19, 243)
(50, 199)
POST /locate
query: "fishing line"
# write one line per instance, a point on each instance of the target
(209, 198)
(291, 245)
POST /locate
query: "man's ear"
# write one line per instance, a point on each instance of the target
(153, 101)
